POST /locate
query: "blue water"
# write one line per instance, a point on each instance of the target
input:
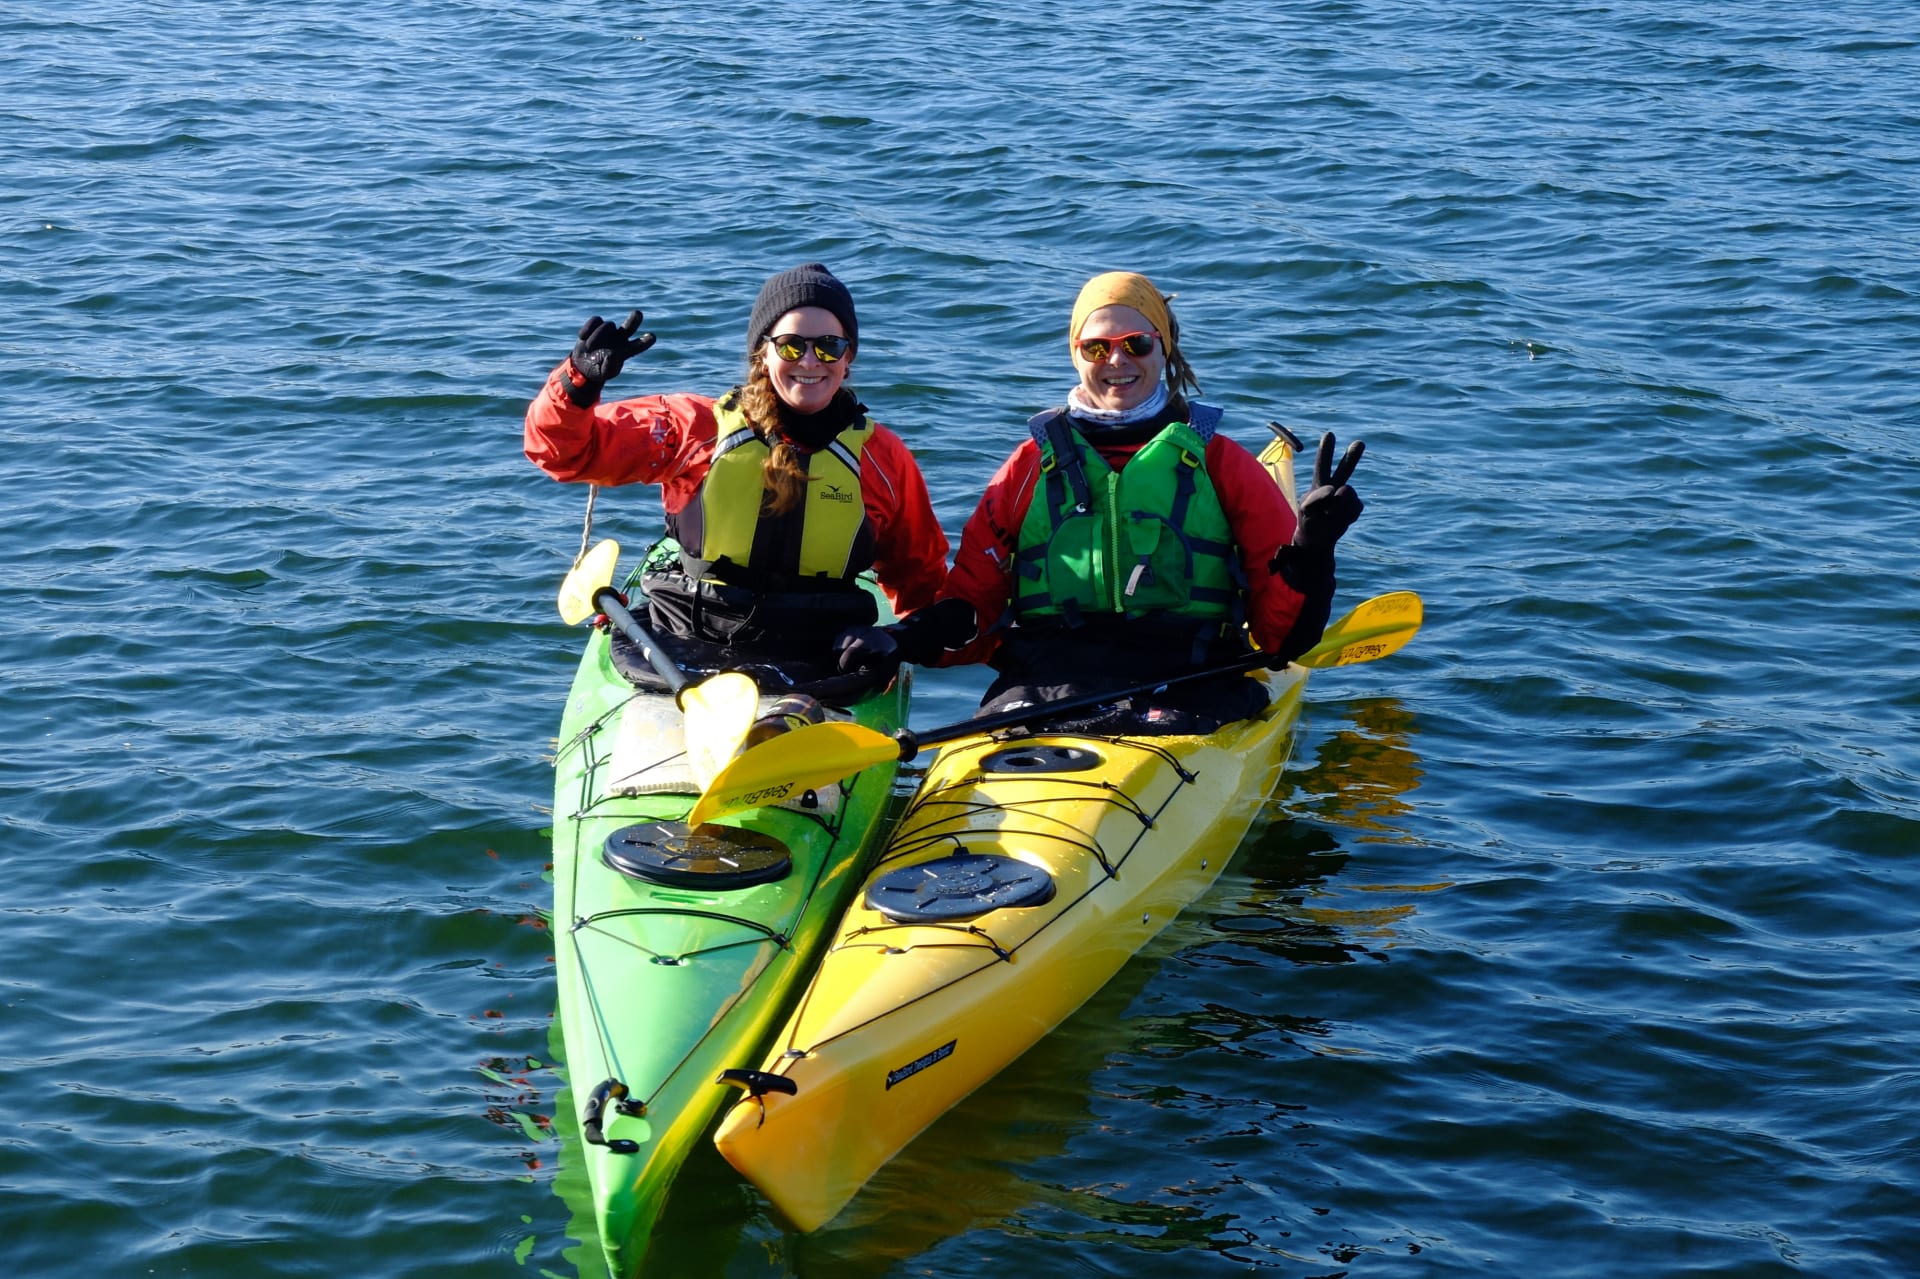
(1583, 938)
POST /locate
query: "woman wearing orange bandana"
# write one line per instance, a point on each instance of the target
(1127, 539)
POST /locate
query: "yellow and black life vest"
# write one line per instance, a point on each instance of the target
(724, 534)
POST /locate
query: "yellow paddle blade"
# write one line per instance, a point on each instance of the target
(791, 764)
(1371, 630)
(589, 573)
(719, 711)
(1277, 457)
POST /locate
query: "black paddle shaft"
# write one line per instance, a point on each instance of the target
(607, 600)
(911, 742)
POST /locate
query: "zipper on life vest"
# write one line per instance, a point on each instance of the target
(1114, 560)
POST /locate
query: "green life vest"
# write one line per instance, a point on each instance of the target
(825, 536)
(1148, 540)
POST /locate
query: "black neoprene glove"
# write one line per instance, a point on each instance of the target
(1331, 506)
(1329, 510)
(866, 648)
(602, 351)
(921, 637)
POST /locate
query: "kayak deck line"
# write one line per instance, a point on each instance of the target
(781, 940)
(1110, 796)
(662, 957)
(985, 942)
(640, 1107)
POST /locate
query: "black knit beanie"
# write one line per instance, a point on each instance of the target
(807, 285)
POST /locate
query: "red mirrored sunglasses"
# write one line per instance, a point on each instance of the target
(1096, 350)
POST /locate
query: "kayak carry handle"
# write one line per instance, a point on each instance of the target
(758, 1083)
(615, 1091)
(1293, 441)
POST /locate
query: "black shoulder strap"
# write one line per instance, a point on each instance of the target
(1050, 428)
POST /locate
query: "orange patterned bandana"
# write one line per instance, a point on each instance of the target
(1123, 288)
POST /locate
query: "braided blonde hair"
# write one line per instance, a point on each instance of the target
(785, 470)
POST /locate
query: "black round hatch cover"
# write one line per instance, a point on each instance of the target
(712, 857)
(958, 887)
(1041, 759)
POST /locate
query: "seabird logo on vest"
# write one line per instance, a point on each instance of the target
(834, 493)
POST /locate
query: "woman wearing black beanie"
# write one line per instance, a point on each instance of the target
(778, 493)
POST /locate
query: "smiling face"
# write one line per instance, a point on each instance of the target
(1120, 381)
(807, 385)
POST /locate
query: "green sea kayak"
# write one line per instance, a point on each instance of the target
(678, 953)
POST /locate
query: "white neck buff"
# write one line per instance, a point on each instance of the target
(1078, 406)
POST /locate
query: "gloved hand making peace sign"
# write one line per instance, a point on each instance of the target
(1331, 506)
(1329, 509)
(599, 355)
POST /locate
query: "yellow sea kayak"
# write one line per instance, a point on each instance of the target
(1024, 874)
